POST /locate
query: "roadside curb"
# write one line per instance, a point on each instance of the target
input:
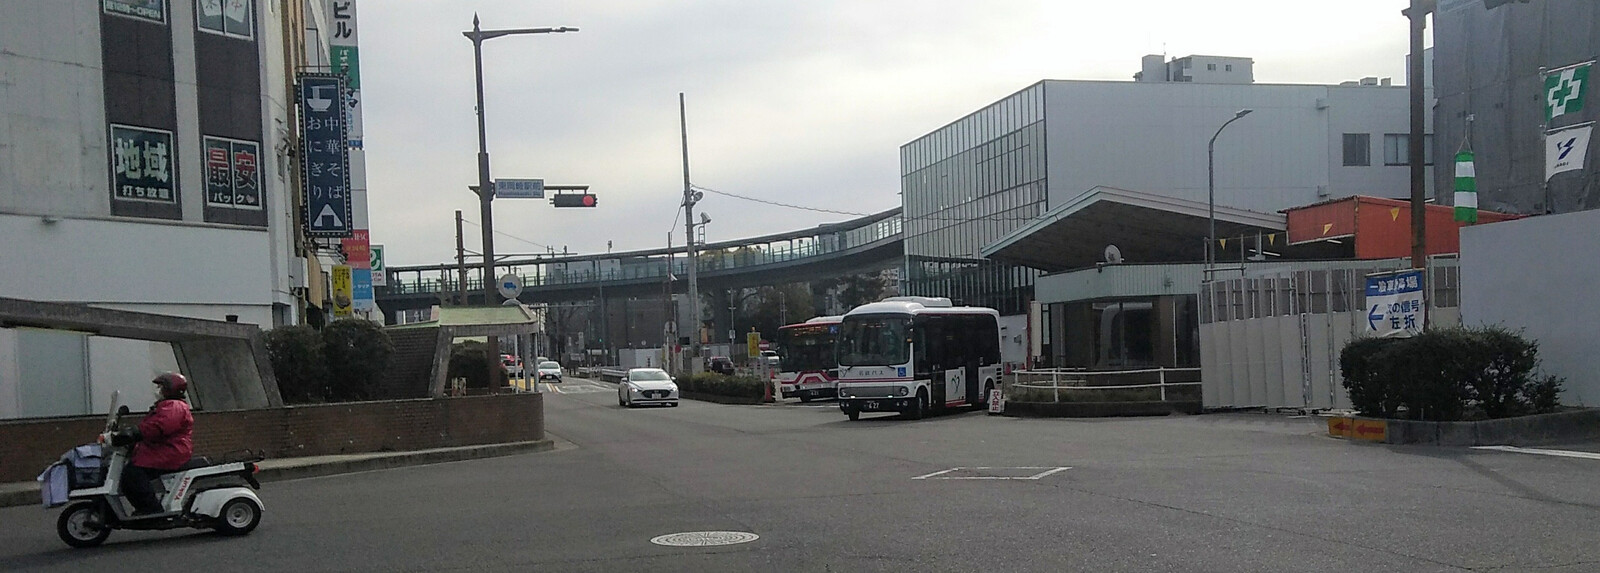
(1098, 409)
(301, 468)
(719, 399)
(1518, 431)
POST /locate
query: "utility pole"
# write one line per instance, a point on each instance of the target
(461, 264)
(1418, 14)
(688, 225)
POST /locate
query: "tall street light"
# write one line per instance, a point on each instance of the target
(485, 185)
(1211, 188)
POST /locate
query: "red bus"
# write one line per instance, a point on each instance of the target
(807, 366)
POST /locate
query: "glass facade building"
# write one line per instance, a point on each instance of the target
(965, 186)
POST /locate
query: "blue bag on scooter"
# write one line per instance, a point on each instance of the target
(87, 466)
(53, 485)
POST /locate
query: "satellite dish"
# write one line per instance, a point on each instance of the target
(1113, 254)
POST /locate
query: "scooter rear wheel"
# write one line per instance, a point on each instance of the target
(82, 525)
(238, 517)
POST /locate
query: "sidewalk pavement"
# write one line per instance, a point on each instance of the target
(27, 493)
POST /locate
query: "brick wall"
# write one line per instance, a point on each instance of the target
(27, 446)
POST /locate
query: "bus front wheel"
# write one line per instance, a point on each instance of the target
(852, 415)
(921, 408)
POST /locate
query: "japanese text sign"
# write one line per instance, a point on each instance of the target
(325, 159)
(141, 165)
(1395, 307)
(233, 177)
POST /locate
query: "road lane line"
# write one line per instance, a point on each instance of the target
(1542, 452)
(936, 473)
(1056, 470)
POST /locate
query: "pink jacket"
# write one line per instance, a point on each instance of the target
(168, 436)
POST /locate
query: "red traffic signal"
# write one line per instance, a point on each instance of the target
(574, 200)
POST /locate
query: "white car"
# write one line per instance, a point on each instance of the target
(647, 386)
(549, 370)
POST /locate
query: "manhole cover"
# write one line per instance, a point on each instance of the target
(705, 538)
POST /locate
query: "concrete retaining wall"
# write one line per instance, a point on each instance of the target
(27, 446)
(1099, 409)
(1526, 430)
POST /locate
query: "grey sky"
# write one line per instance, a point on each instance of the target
(799, 102)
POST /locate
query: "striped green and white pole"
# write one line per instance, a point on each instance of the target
(1466, 189)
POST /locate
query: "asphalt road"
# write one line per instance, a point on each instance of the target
(1243, 492)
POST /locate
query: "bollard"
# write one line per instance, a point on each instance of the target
(1162, 373)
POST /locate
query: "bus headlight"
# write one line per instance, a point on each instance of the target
(902, 391)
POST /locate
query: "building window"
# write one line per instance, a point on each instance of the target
(1227, 68)
(1211, 67)
(232, 18)
(1357, 149)
(1396, 150)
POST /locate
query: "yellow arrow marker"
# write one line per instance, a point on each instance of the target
(1326, 227)
(1394, 213)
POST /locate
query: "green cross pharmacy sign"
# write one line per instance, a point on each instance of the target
(1564, 89)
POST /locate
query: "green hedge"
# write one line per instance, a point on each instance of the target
(343, 362)
(1447, 374)
(721, 385)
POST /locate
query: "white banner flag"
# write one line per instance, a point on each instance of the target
(1565, 150)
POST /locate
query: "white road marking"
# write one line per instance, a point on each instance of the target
(577, 388)
(1048, 470)
(1541, 452)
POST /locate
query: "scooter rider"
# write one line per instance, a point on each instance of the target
(164, 442)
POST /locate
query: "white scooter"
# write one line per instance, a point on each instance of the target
(200, 495)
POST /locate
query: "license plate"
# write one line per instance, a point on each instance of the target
(871, 405)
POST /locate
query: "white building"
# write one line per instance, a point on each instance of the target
(970, 184)
(145, 166)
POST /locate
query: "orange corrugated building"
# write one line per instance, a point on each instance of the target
(1379, 227)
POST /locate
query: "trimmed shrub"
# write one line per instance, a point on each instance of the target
(467, 361)
(1448, 374)
(723, 385)
(1361, 361)
(357, 353)
(297, 362)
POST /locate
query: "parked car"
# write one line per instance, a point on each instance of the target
(647, 386)
(770, 357)
(549, 370)
(720, 365)
(513, 365)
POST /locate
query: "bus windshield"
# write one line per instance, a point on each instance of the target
(873, 340)
(807, 348)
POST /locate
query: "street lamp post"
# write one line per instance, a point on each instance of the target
(485, 185)
(1211, 188)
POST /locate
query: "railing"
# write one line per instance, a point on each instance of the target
(1078, 379)
(602, 373)
(558, 273)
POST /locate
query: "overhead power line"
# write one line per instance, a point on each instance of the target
(775, 203)
(510, 236)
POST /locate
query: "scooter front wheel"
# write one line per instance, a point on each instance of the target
(82, 524)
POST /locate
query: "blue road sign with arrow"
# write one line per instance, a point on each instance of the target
(1395, 307)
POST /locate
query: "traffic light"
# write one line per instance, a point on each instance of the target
(574, 200)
